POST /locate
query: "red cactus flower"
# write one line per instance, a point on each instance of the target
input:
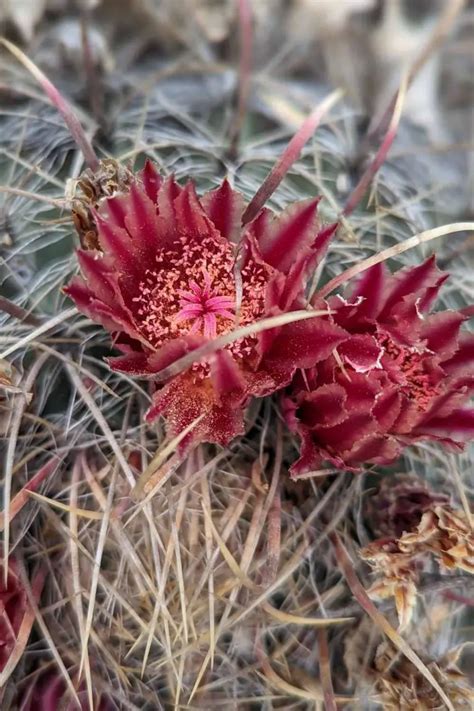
(13, 605)
(174, 271)
(402, 375)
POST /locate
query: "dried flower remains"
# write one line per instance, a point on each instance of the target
(443, 533)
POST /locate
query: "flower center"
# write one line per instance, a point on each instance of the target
(407, 366)
(191, 289)
(202, 306)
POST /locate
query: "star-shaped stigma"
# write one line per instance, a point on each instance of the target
(202, 305)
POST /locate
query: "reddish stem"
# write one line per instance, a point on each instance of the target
(245, 67)
(325, 671)
(288, 157)
(367, 177)
(63, 106)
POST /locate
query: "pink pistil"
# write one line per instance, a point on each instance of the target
(200, 305)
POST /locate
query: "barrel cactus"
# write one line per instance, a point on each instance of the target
(202, 412)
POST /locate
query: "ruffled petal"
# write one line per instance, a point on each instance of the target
(362, 352)
(185, 399)
(441, 332)
(410, 280)
(169, 191)
(142, 223)
(346, 434)
(361, 392)
(458, 425)
(116, 243)
(323, 407)
(311, 458)
(227, 379)
(462, 362)
(99, 274)
(368, 292)
(109, 317)
(387, 408)
(133, 363)
(191, 219)
(173, 351)
(303, 343)
(376, 449)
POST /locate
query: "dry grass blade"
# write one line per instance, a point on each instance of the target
(273, 539)
(397, 249)
(56, 202)
(20, 499)
(76, 572)
(289, 156)
(148, 480)
(314, 695)
(83, 513)
(226, 554)
(289, 619)
(102, 422)
(66, 110)
(461, 491)
(44, 328)
(210, 583)
(217, 343)
(96, 569)
(366, 603)
(14, 430)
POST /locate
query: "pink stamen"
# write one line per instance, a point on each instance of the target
(200, 306)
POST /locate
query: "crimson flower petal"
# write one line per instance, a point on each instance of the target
(462, 361)
(441, 332)
(369, 290)
(224, 208)
(304, 343)
(152, 181)
(291, 234)
(362, 352)
(323, 406)
(115, 241)
(183, 400)
(459, 424)
(410, 280)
